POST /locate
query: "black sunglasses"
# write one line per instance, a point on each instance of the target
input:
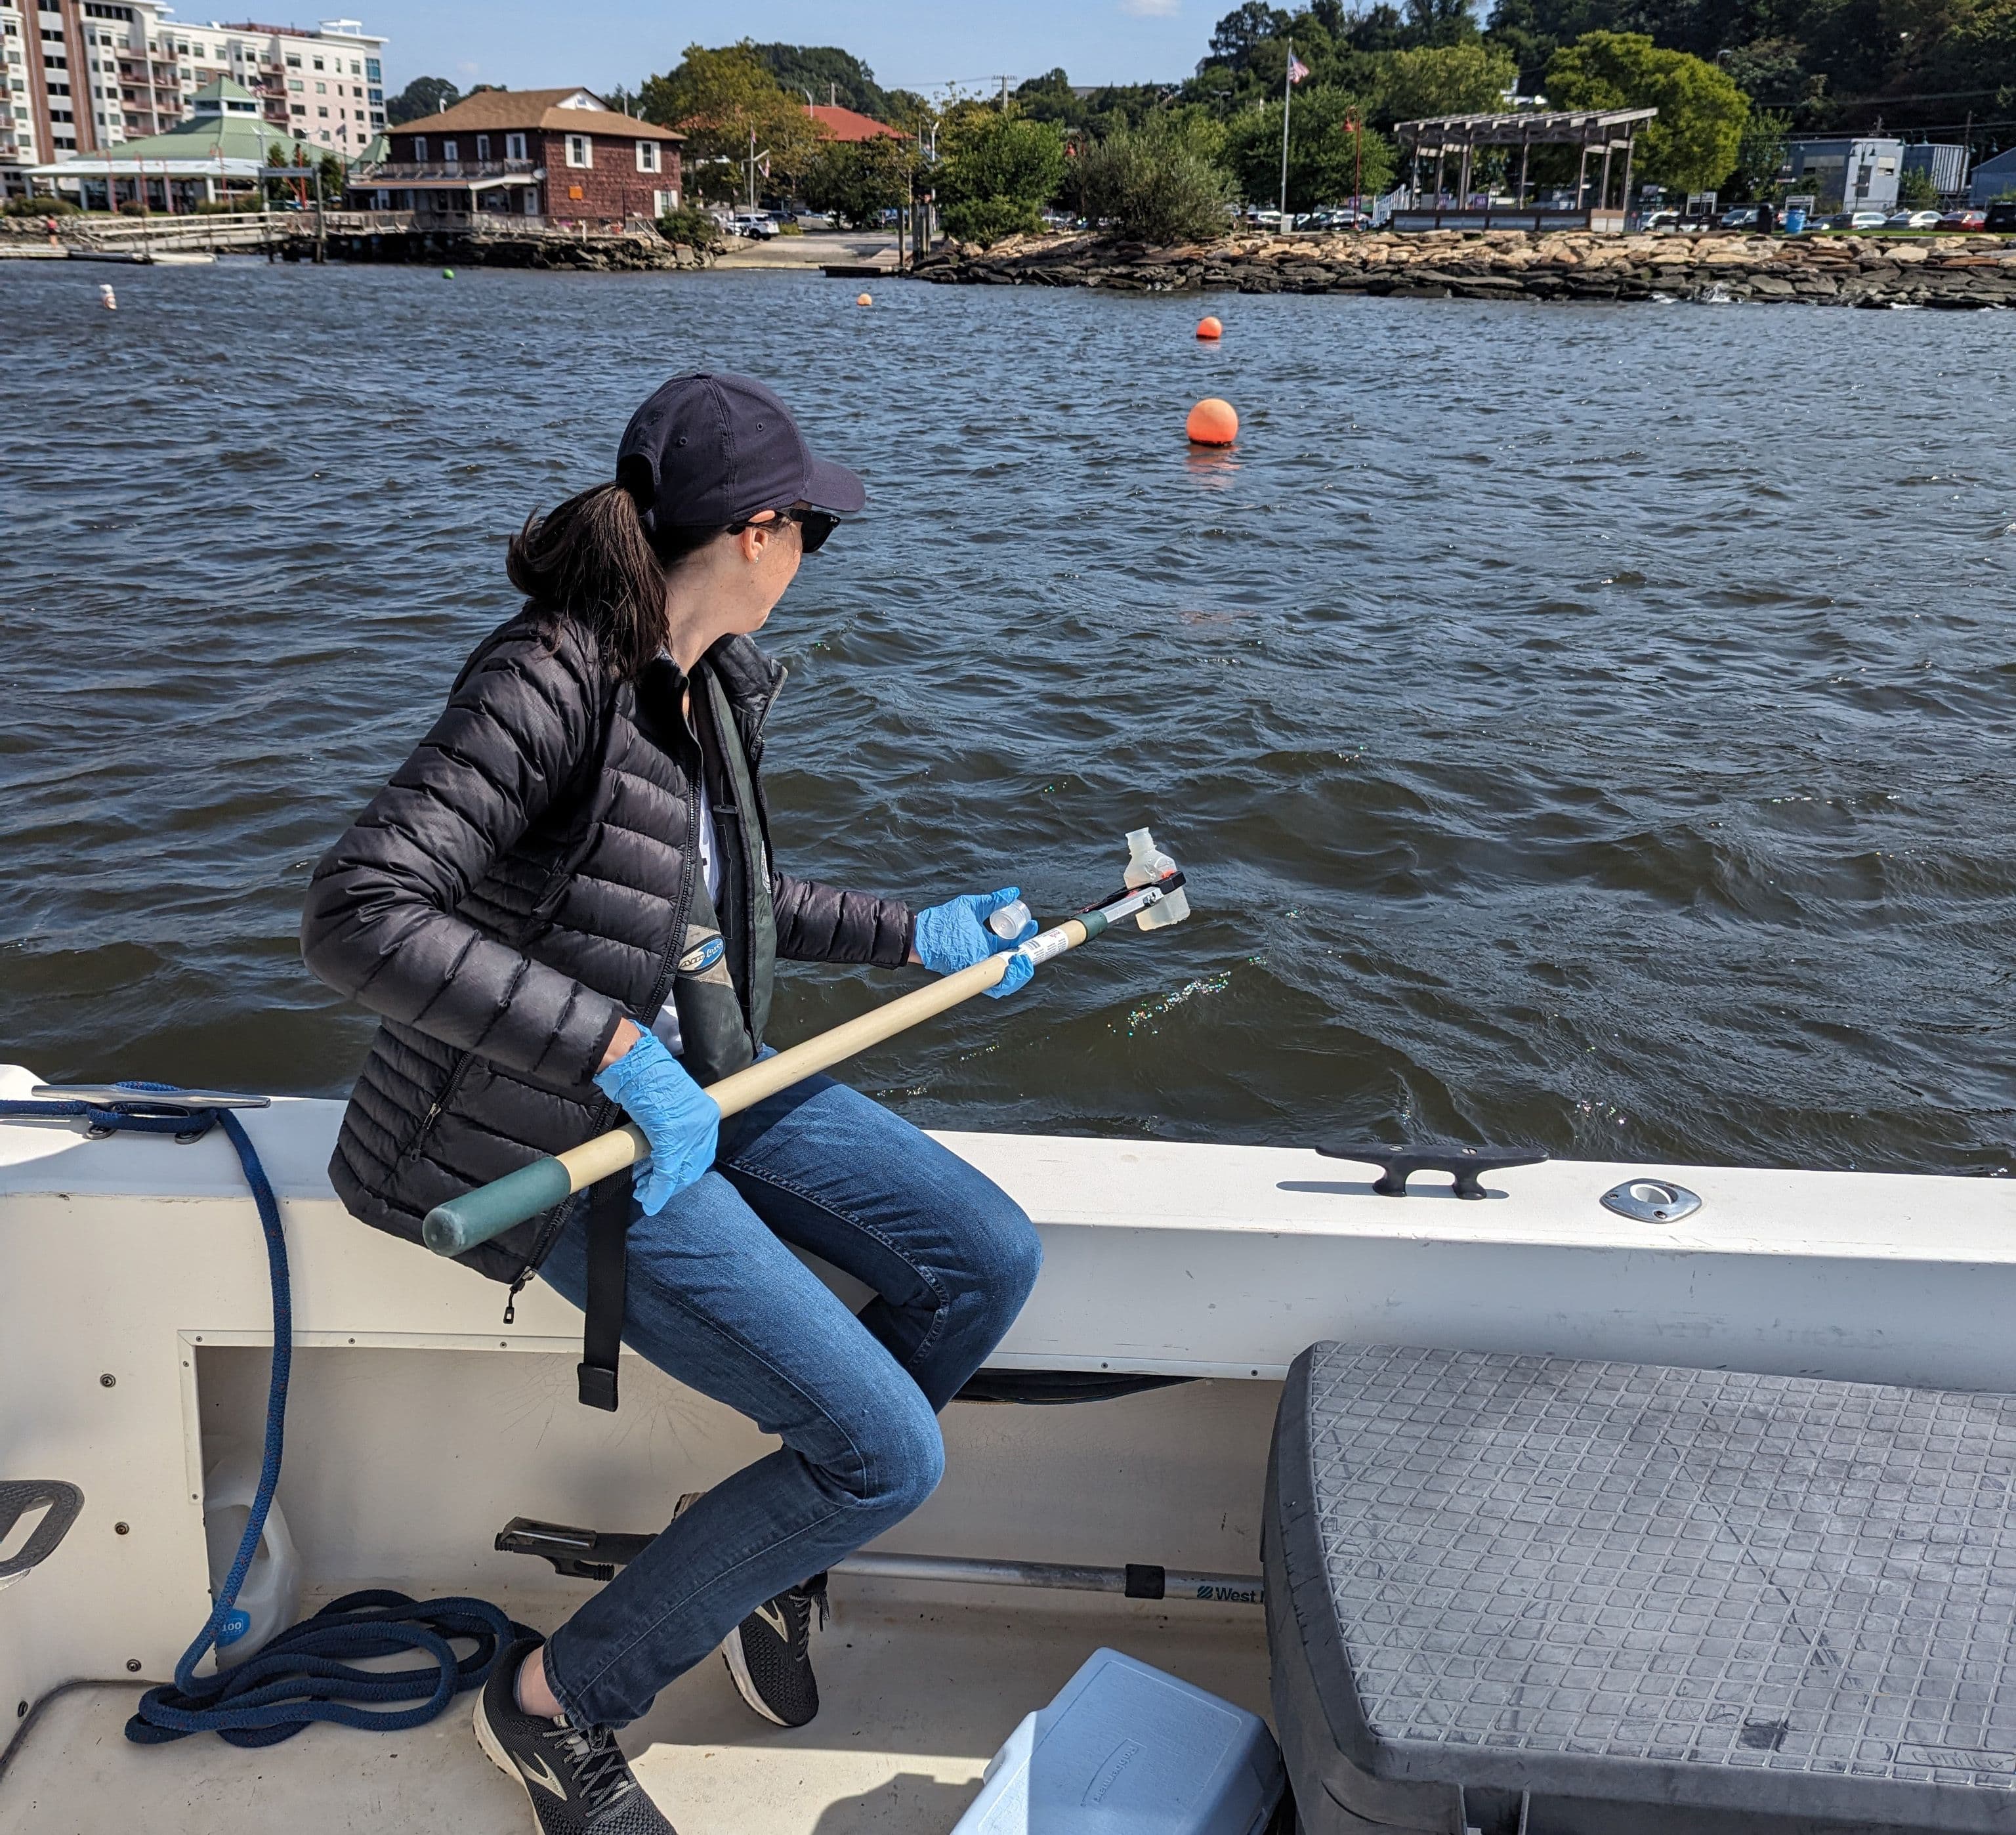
(814, 526)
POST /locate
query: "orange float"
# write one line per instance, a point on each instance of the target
(863, 300)
(1212, 422)
(1210, 328)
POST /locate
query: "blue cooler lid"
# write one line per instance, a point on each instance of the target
(1126, 1750)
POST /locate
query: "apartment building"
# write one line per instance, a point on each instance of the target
(81, 76)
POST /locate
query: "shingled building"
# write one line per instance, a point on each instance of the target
(558, 155)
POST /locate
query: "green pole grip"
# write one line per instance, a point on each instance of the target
(458, 1226)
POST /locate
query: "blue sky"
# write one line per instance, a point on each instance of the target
(910, 44)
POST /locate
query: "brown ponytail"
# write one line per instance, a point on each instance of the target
(591, 556)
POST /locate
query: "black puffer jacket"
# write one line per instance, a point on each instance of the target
(513, 893)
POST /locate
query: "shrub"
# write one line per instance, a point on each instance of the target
(997, 173)
(1155, 183)
(989, 220)
(132, 208)
(41, 206)
(690, 225)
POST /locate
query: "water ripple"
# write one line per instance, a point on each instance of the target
(1580, 726)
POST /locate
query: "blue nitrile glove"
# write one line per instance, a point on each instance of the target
(954, 936)
(679, 1119)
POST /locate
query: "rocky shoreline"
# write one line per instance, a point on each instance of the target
(636, 251)
(292, 238)
(1953, 272)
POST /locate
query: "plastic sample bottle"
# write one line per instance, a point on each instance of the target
(1146, 864)
(1010, 921)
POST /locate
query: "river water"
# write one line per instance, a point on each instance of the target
(1585, 725)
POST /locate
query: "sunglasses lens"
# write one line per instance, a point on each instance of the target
(814, 528)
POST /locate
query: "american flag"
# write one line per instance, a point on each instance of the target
(1297, 69)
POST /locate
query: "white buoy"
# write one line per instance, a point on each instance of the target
(106, 297)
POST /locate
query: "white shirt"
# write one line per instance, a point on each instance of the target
(666, 1026)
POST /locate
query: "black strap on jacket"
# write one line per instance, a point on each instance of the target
(719, 1034)
(608, 1268)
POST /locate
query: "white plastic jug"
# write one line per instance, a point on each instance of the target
(270, 1601)
(1146, 864)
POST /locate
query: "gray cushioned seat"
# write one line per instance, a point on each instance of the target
(1507, 1591)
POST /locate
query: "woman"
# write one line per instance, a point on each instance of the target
(564, 906)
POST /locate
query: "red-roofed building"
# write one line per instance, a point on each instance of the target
(844, 123)
(560, 155)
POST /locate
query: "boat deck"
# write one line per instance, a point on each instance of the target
(917, 1697)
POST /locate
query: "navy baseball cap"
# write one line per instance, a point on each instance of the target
(708, 451)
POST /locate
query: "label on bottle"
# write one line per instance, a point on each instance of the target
(1040, 949)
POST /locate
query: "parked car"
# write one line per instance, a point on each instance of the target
(1913, 220)
(1866, 219)
(1964, 220)
(1742, 216)
(759, 224)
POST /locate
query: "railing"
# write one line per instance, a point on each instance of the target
(395, 172)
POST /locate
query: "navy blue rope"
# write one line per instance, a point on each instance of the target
(301, 1675)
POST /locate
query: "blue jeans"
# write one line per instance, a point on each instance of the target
(718, 1301)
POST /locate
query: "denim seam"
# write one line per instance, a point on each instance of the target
(923, 1274)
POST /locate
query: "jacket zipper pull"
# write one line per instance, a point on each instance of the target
(511, 1299)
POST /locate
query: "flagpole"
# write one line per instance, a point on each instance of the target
(1287, 101)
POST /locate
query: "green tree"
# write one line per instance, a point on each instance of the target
(858, 180)
(1242, 31)
(1159, 182)
(725, 101)
(1761, 153)
(1915, 190)
(907, 109)
(833, 76)
(995, 172)
(1440, 80)
(1693, 145)
(422, 97)
(1323, 155)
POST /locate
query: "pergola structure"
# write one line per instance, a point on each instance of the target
(1608, 132)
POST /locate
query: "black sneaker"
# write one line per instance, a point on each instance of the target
(769, 1654)
(577, 1779)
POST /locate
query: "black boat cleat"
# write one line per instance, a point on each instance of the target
(577, 1778)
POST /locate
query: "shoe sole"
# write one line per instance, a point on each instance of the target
(494, 1750)
(745, 1683)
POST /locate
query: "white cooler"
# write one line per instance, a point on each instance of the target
(1125, 1749)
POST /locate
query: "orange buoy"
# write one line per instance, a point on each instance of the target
(1210, 328)
(863, 300)
(1212, 422)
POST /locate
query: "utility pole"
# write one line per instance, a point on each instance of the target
(752, 169)
(1003, 82)
(1357, 131)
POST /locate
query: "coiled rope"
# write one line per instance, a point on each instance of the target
(307, 1673)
